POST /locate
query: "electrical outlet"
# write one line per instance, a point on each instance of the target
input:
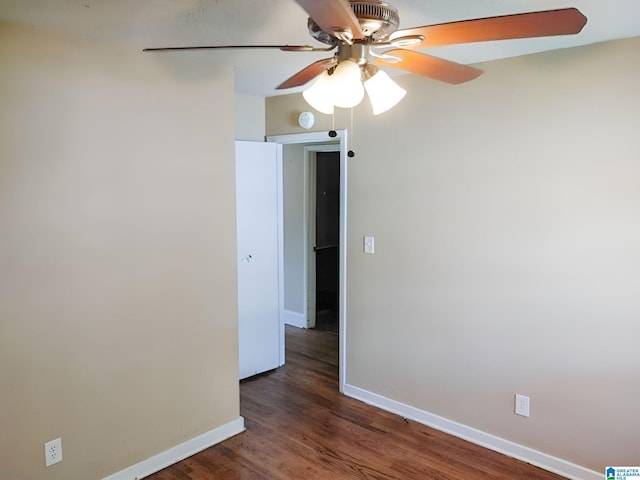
(52, 452)
(522, 405)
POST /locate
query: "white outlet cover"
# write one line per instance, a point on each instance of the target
(53, 452)
(522, 405)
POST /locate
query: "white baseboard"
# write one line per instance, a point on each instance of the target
(511, 449)
(179, 452)
(294, 319)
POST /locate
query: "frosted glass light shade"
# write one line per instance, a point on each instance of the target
(346, 85)
(383, 92)
(319, 95)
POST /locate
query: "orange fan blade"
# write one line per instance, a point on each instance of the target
(432, 67)
(333, 16)
(565, 21)
(306, 74)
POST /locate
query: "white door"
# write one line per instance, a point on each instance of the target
(258, 200)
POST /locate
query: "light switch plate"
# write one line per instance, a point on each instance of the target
(369, 244)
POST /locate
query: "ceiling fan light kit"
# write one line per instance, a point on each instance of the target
(384, 93)
(346, 84)
(319, 94)
(345, 88)
(366, 36)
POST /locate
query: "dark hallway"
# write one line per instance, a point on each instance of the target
(327, 240)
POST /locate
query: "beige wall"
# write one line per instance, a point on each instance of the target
(506, 214)
(249, 117)
(118, 327)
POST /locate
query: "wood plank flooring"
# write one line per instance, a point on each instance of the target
(300, 427)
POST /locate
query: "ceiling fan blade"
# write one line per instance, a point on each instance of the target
(307, 74)
(564, 21)
(284, 48)
(432, 67)
(333, 16)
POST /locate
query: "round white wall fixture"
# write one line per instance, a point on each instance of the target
(306, 120)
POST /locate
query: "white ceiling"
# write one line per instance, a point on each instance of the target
(158, 23)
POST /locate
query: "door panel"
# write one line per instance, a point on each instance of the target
(257, 233)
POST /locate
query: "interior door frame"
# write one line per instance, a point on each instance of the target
(322, 141)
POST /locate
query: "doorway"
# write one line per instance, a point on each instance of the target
(327, 240)
(298, 309)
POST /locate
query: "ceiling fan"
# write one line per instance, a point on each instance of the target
(366, 35)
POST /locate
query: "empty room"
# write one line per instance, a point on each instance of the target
(486, 248)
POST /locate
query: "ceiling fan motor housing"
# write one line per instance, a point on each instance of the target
(377, 20)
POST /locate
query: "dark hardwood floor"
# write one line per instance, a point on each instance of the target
(300, 427)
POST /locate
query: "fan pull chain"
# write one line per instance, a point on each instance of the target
(352, 136)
